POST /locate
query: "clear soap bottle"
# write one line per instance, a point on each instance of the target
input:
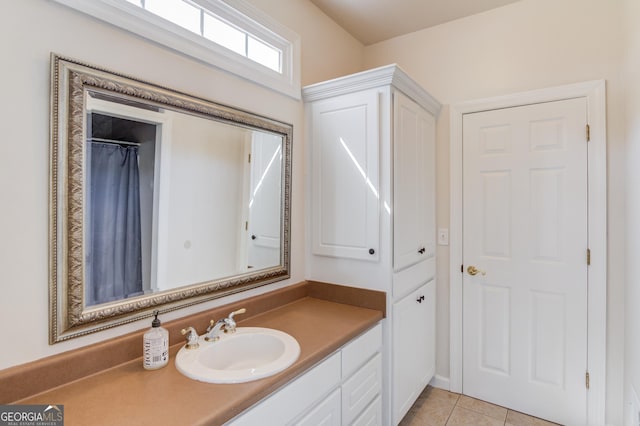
(155, 345)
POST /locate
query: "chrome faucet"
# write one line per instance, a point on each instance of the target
(192, 337)
(229, 324)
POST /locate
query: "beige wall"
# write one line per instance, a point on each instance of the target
(205, 165)
(328, 51)
(29, 31)
(632, 296)
(527, 45)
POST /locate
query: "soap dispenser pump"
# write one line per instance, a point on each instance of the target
(155, 345)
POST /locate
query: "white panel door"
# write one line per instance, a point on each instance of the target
(345, 171)
(413, 183)
(265, 197)
(525, 230)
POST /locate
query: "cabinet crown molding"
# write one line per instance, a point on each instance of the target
(391, 75)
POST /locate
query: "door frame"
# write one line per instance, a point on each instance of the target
(595, 92)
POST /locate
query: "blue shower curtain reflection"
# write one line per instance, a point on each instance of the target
(114, 260)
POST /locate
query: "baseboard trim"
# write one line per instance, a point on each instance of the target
(440, 382)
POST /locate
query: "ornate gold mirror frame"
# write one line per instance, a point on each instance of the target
(71, 82)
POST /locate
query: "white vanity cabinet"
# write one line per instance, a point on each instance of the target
(343, 389)
(371, 194)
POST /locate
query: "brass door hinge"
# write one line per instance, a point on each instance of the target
(586, 377)
(588, 257)
(588, 133)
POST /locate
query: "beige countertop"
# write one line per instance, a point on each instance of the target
(129, 394)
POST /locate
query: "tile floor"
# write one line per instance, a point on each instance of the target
(437, 407)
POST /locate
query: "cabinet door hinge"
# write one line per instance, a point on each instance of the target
(462, 269)
(246, 226)
(588, 257)
(588, 133)
(249, 160)
(586, 379)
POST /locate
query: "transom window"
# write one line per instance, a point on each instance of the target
(230, 34)
(203, 22)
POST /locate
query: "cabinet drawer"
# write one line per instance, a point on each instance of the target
(372, 415)
(407, 280)
(361, 389)
(360, 350)
(295, 398)
(327, 413)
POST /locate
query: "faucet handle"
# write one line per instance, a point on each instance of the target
(212, 324)
(192, 337)
(230, 322)
(239, 311)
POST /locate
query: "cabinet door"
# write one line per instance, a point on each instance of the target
(413, 347)
(327, 413)
(345, 173)
(283, 406)
(413, 183)
(361, 388)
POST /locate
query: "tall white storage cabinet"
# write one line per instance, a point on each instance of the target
(371, 194)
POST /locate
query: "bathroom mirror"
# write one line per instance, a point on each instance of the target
(158, 199)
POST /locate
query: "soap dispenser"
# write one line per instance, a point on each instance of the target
(156, 345)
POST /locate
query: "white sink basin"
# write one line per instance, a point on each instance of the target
(250, 353)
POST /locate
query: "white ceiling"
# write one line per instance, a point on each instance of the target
(371, 21)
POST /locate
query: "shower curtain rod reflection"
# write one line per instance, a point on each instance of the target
(113, 141)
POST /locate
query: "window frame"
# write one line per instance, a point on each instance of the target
(240, 13)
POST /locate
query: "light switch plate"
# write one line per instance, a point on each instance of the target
(443, 236)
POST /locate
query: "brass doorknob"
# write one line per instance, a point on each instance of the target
(472, 270)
